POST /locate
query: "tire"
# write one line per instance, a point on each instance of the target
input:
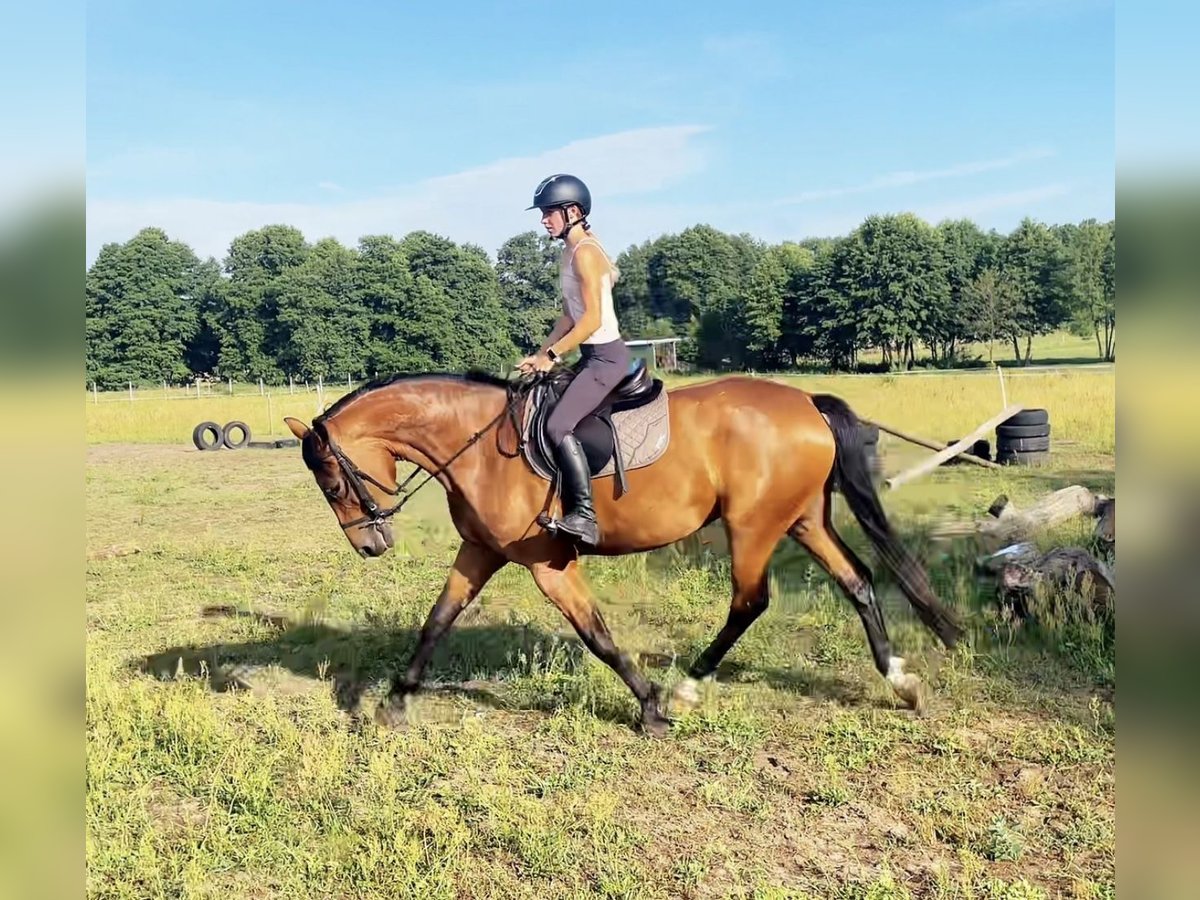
(204, 428)
(261, 445)
(229, 429)
(286, 442)
(1007, 432)
(1029, 417)
(1010, 458)
(1024, 445)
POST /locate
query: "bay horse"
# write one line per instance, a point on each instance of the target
(762, 456)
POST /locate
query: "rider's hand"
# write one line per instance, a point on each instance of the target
(538, 362)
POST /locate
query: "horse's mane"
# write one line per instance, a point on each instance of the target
(473, 376)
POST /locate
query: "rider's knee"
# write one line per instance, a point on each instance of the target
(556, 432)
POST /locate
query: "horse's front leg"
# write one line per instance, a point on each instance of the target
(561, 581)
(472, 568)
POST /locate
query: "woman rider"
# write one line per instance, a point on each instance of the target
(590, 323)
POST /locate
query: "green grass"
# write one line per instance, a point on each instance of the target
(219, 763)
(1058, 348)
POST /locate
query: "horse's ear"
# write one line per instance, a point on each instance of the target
(299, 429)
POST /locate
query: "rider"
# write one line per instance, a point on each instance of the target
(590, 323)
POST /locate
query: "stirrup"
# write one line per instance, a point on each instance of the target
(591, 539)
(553, 527)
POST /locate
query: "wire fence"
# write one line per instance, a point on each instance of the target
(210, 389)
(199, 390)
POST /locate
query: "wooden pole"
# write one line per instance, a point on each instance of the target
(931, 445)
(928, 465)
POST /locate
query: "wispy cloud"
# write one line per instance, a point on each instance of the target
(911, 177)
(980, 206)
(483, 205)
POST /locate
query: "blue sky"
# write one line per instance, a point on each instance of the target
(784, 120)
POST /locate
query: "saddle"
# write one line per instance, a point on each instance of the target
(629, 430)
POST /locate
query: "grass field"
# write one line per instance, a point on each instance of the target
(219, 763)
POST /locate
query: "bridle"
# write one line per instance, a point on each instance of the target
(373, 515)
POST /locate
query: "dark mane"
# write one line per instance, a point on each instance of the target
(473, 376)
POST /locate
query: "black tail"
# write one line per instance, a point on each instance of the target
(854, 481)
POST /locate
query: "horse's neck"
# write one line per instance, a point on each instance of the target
(428, 422)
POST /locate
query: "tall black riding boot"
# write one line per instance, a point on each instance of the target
(579, 519)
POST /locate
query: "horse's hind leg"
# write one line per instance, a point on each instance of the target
(815, 533)
(750, 550)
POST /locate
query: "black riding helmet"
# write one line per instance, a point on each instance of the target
(558, 191)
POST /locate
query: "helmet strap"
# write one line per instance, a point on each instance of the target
(568, 225)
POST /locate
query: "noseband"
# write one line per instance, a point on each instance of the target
(373, 515)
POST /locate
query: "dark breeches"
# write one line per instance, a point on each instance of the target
(603, 367)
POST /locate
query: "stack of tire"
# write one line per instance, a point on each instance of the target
(234, 436)
(1024, 439)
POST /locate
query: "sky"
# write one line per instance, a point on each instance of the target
(781, 120)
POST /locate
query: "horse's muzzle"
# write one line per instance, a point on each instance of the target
(373, 540)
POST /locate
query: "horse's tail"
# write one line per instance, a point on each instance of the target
(854, 480)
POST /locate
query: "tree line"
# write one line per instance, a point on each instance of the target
(278, 306)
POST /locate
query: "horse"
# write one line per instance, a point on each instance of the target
(762, 456)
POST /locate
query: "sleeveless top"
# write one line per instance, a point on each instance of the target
(572, 292)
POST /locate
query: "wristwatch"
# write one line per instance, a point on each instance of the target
(551, 355)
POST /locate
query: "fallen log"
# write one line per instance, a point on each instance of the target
(932, 445)
(1009, 524)
(928, 465)
(1060, 574)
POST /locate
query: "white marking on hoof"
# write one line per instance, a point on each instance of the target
(907, 686)
(686, 695)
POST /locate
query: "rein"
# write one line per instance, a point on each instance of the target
(373, 516)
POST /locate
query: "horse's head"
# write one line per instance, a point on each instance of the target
(354, 475)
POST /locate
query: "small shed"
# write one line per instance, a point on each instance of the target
(659, 353)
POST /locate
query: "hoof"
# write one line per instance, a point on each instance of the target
(686, 696)
(655, 726)
(908, 687)
(654, 722)
(393, 712)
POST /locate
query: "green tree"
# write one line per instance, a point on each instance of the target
(527, 271)
(324, 327)
(411, 323)
(966, 250)
(142, 305)
(1035, 260)
(245, 304)
(896, 278)
(820, 319)
(760, 315)
(697, 279)
(464, 277)
(631, 295)
(1090, 251)
(990, 306)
